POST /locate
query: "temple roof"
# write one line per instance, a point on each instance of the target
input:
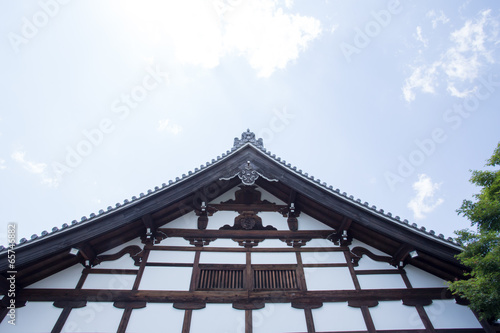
(247, 162)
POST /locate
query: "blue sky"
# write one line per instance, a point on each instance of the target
(390, 102)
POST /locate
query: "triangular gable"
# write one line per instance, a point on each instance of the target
(247, 162)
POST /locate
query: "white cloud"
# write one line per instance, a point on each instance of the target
(419, 36)
(471, 48)
(424, 201)
(258, 30)
(2, 164)
(165, 125)
(436, 18)
(423, 78)
(39, 169)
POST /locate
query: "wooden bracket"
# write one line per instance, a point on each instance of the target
(341, 237)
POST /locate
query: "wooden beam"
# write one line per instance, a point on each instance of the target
(163, 296)
(255, 234)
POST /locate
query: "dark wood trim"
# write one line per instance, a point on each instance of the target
(112, 271)
(132, 305)
(368, 319)
(348, 258)
(306, 304)
(186, 324)
(131, 250)
(324, 265)
(301, 278)
(168, 264)
(360, 303)
(309, 321)
(405, 278)
(3, 312)
(246, 305)
(124, 320)
(164, 296)
(253, 234)
(196, 271)
(417, 302)
(376, 271)
(248, 281)
(83, 277)
(189, 306)
(425, 319)
(58, 326)
(248, 321)
(242, 249)
(140, 273)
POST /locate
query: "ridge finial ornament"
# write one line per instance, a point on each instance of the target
(248, 137)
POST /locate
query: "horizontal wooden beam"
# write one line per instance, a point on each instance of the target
(162, 296)
(252, 234)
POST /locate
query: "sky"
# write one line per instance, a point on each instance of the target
(391, 102)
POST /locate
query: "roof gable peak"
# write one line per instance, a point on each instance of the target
(248, 137)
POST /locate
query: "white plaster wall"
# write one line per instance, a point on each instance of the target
(34, 317)
(306, 222)
(95, 317)
(225, 196)
(421, 279)
(338, 316)
(275, 219)
(220, 219)
(171, 256)
(135, 241)
(175, 241)
(365, 262)
(222, 258)
(65, 279)
(381, 281)
(356, 242)
(278, 317)
(449, 314)
(187, 221)
(394, 315)
(230, 195)
(155, 318)
(166, 278)
(274, 258)
(109, 281)
(326, 257)
(328, 278)
(273, 243)
(224, 242)
(125, 262)
(319, 242)
(218, 318)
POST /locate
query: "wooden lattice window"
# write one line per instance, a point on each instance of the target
(211, 279)
(273, 279)
(233, 277)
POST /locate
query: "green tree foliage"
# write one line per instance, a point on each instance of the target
(482, 247)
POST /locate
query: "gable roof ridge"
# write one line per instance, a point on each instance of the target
(365, 206)
(134, 199)
(247, 139)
